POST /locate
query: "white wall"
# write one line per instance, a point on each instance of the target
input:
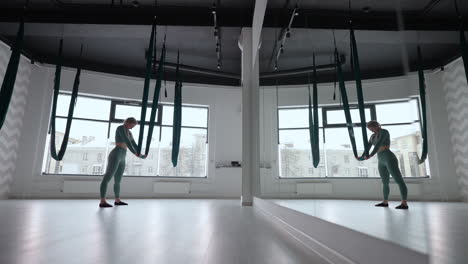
(11, 130)
(224, 136)
(456, 98)
(443, 182)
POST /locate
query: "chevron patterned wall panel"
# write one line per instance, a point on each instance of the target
(456, 98)
(11, 131)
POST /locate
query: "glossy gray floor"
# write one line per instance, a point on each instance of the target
(434, 228)
(146, 231)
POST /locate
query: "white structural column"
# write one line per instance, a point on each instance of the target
(257, 25)
(250, 115)
(249, 43)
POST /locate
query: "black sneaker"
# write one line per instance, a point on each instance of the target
(405, 207)
(382, 205)
(120, 203)
(105, 205)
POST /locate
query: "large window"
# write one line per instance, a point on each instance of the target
(92, 137)
(400, 118)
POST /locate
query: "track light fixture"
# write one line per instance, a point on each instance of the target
(286, 34)
(217, 35)
(213, 9)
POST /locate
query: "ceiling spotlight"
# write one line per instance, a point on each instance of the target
(296, 14)
(135, 3)
(366, 9)
(218, 66)
(213, 10)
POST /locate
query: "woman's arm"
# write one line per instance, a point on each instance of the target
(129, 142)
(363, 157)
(132, 141)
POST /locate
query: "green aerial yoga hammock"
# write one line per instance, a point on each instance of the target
(157, 89)
(144, 100)
(313, 121)
(71, 108)
(154, 106)
(177, 120)
(344, 98)
(357, 76)
(422, 95)
(10, 75)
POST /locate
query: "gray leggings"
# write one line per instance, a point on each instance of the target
(115, 168)
(388, 164)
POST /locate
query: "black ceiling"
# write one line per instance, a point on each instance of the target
(116, 36)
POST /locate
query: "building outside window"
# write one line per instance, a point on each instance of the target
(97, 169)
(347, 172)
(57, 168)
(414, 160)
(93, 132)
(400, 118)
(402, 165)
(363, 172)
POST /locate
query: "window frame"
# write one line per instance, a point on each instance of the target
(115, 103)
(324, 109)
(158, 123)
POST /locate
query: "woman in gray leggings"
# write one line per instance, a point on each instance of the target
(116, 160)
(388, 163)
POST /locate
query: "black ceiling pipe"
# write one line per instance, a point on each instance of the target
(263, 75)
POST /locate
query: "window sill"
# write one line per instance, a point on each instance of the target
(350, 178)
(130, 176)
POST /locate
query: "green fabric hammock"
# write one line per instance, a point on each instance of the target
(71, 108)
(313, 120)
(177, 120)
(422, 95)
(357, 76)
(157, 90)
(144, 100)
(344, 98)
(10, 75)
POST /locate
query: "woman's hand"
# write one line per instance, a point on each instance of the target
(363, 158)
